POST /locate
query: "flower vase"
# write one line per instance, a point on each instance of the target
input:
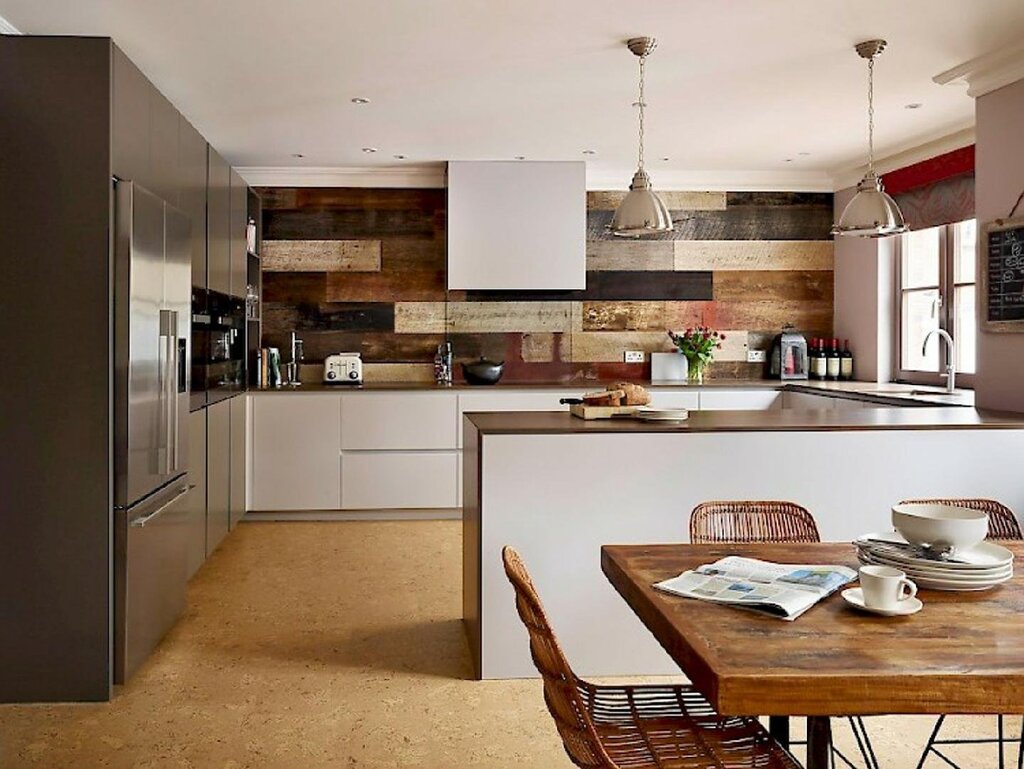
(695, 370)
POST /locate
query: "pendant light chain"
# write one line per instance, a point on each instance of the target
(640, 106)
(871, 115)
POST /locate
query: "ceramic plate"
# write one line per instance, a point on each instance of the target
(984, 555)
(855, 597)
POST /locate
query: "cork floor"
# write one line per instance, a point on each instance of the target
(310, 645)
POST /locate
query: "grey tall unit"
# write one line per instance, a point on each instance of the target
(77, 114)
(218, 472)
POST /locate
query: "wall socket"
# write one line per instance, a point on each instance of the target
(756, 356)
(633, 356)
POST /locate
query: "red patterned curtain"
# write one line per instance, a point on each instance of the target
(936, 191)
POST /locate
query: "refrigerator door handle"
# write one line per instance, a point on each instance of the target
(143, 520)
(175, 461)
(168, 349)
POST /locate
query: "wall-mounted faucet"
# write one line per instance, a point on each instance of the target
(950, 356)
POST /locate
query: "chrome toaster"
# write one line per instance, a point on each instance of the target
(343, 368)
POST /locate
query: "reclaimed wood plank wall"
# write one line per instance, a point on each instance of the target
(357, 269)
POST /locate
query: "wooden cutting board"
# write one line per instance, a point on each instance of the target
(583, 411)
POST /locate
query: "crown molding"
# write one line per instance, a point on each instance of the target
(906, 156)
(987, 73)
(6, 28)
(411, 176)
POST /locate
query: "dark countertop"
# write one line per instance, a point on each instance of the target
(782, 420)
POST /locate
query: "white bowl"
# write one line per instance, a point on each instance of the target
(940, 526)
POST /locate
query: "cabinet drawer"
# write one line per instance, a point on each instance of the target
(675, 399)
(755, 400)
(544, 400)
(399, 479)
(402, 421)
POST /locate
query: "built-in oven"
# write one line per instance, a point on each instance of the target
(218, 347)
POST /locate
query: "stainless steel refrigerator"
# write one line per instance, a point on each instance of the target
(152, 317)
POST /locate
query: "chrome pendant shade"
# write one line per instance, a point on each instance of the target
(872, 213)
(641, 212)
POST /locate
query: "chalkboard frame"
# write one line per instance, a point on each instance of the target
(997, 326)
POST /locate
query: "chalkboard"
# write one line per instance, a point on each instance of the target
(1003, 273)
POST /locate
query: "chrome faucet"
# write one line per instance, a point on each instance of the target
(950, 356)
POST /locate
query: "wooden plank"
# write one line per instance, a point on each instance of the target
(497, 347)
(413, 285)
(539, 348)
(609, 200)
(810, 315)
(522, 317)
(420, 317)
(609, 346)
(753, 254)
(295, 287)
(399, 348)
(425, 200)
(629, 255)
(648, 285)
(346, 224)
(734, 223)
(622, 316)
(398, 372)
(799, 285)
(683, 315)
(813, 199)
(277, 197)
(321, 255)
(401, 254)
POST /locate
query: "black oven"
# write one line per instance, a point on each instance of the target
(218, 346)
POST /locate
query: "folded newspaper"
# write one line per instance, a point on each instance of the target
(784, 590)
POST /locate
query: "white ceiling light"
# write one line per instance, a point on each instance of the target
(641, 212)
(872, 213)
(360, 100)
(369, 150)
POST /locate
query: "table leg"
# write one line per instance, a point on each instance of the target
(778, 727)
(819, 742)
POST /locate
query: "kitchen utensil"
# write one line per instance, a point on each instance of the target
(483, 371)
(343, 368)
(940, 526)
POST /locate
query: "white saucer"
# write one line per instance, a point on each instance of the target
(855, 597)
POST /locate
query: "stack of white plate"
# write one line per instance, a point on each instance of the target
(651, 414)
(978, 568)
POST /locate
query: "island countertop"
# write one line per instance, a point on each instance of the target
(782, 420)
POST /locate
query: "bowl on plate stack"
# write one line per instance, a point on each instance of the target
(940, 547)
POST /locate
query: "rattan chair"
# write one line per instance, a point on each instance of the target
(743, 521)
(635, 727)
(1002, 524)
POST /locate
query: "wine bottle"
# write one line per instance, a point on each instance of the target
(812, 353)
(832, 363)
(846, 362)
(819, 364)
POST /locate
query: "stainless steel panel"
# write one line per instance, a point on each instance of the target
(152, 334)
(196, 499)
(218, 473)
(239, 428)
(152, 569)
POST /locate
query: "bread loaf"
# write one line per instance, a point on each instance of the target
(634, 394)
(604, 398)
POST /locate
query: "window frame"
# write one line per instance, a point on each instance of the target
(947, 309)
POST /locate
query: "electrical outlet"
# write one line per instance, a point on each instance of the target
(756, 356)
(633, 356)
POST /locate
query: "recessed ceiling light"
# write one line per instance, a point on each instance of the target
(298, 155)
(399, 157)
(913, 105)
(589, 152)
(360, 100)
(520, 157)
(369, 150)
(788, 160)
(803, 154)
(666, 158)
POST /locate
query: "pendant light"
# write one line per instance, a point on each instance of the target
(872, 213)
(641, 212)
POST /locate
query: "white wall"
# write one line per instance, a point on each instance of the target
(999, 178)
(864, 313)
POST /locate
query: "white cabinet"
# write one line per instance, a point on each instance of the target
(296, 451)
(758, 400)
(675, 399)
(513, 400)
(399, 421)
(373, 480)
(793, 400)
(517, 225)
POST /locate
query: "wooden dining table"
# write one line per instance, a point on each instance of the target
(963, 653)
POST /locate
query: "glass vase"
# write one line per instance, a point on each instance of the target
(695, 371)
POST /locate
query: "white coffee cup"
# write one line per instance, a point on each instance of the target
(884, 587)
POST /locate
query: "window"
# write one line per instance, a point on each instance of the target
(937, 290)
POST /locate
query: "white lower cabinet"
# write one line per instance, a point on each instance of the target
(515, 400)
(296, 451)
(756, 400)
(372, 480)
(675, 399)
(399, 421)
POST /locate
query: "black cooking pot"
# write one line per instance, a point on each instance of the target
(483, 371)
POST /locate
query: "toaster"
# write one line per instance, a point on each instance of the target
(343, 368)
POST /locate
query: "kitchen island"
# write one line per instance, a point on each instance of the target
(557, 488)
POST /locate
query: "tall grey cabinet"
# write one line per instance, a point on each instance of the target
(218, 223)
(218, 472)
(239, 422)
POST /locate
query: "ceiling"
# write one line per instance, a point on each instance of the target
(766, 89)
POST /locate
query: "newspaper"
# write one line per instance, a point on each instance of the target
(784, 590)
